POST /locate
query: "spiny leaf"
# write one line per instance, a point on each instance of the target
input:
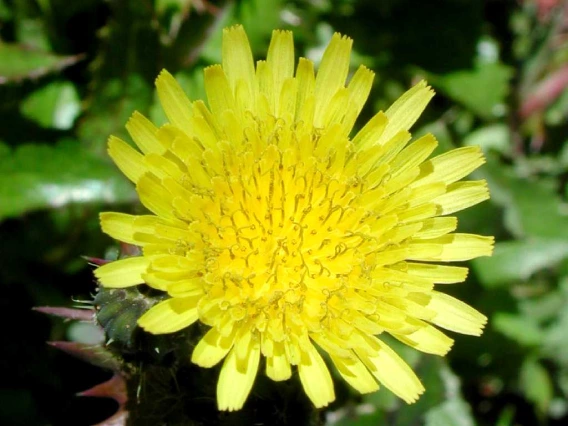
(67, 313)
(114, 388)
(93, 354)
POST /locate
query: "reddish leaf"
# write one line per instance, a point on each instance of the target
(545, 92)
(93, 354)
(95, 260)
(114, 388)
(67, 313)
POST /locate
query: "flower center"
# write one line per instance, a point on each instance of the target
(286, 238)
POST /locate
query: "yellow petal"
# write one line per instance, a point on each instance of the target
(422, 212)
(119, 226)
(436, 227)
(365, 160)
(332, 344)
(237, 57)
(414, 154)
(402, 180)
(184, 148)
(392, 372)
(400, 233)
(186, 287)
(424, 251)
(124, 272)
(205, 126)
(266, 101)
(129, 161)
(356, 374)
(371, 132)
(212, 348)
(333, 112)
(286, 107)
(143, 132)
(450, 166)
(174, 101)
(452, 314)
(392, 255)
(162, 167)
(394, 145)
(277, 365)
(141, 230)
(359, 89)
(461, 195)
(280, 58)
(160, 280)
(440, 274)
(392, 274)
(306, 86)
(331, 74)
(242, 347)
(155, 197)
(454, 247)
(426, 193)
(404, 112)
(427, 339)
(153, 230)
(315, 378)
(170, 316)
(174, 263)
(235, 384)
(219, 94)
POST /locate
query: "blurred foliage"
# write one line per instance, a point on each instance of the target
(71, 73)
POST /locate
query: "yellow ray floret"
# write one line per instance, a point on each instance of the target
(290, 236)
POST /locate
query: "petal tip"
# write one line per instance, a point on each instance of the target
(163, 75)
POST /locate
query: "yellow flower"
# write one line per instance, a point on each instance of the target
(287, 236)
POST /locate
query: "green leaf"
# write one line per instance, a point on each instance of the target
(482, 89)
(5, 11)
(455, 412)
(110, 110)
(555, 345)
(524, 330)
(18, 63)
(557, 113)
(507, 416)
(129, 60)
(532, 207)
(545, 218)
(186, 32)
(128, 44)
(494, 136)
(41, 176)
(536, 384)
(260, 18)
(56, 105)
(518, 260)
(544, 307)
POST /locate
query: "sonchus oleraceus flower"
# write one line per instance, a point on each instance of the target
(288, 235)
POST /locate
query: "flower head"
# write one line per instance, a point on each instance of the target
(287, 235)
